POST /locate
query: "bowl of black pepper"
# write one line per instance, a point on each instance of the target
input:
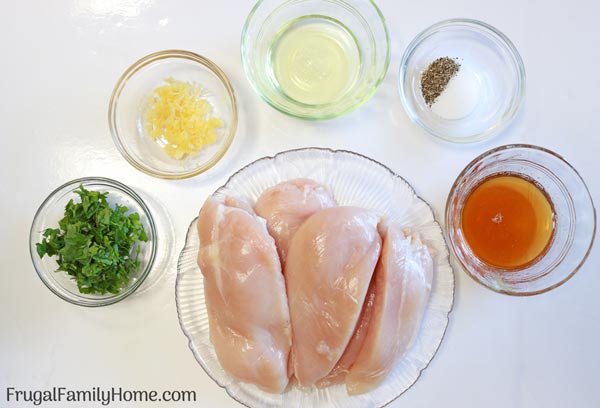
(462, 80)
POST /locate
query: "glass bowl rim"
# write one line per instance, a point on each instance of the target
(472, 164)
(480, 26)
(149, 60)
(76, 299)
(366, 97)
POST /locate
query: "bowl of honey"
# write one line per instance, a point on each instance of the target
(520, 220)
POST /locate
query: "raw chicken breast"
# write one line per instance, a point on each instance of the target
(402, 283)
(338, 374)
(287, 205)
(329, 267)
(245, 294)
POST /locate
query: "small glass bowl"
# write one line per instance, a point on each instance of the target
(362, 19)
(53, 209)
(490, 64)
(574, 218)
(130, 100)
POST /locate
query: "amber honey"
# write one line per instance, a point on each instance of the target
(508, 221)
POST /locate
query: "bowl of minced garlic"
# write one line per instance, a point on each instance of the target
(173, 114)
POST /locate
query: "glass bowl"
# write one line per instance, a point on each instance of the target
(355, 180)
(130, 101)
(485, 95)
(574, 219)
(53, 209)
(357, 26)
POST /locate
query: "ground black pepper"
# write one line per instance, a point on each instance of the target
(436, 77)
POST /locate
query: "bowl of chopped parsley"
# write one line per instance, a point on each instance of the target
(93, 241)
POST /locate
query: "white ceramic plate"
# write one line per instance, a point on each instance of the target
(354, 180)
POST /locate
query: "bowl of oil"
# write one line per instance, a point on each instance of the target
(520, 220)
(315, 59)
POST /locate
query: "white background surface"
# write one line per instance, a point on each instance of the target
(60, 61)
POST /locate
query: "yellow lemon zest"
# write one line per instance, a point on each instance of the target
(180, 119)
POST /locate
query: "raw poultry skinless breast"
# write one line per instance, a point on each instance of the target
(329, 266)
(244, 294)
(401, 288)
(287, 205)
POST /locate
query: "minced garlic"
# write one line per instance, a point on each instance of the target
(180, 119)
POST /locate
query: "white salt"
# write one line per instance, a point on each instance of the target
(461, 95)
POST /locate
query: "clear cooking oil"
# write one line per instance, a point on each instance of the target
(314, 60)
